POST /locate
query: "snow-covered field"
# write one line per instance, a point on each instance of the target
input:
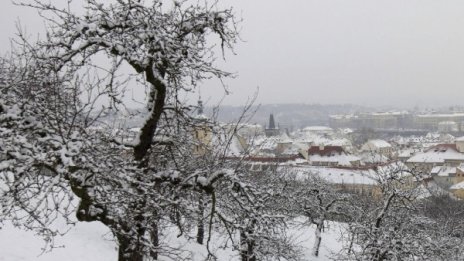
(85, 241)
(92, 241)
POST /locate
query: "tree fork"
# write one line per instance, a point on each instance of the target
(148, 130)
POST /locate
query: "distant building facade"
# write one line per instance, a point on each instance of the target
(377, 120)
(433, 121)
(445, 122)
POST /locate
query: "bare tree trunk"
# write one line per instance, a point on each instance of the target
(126, 251)
(318, 237)
(154, 240)
(350, 247)
(200, 225)
(247, 247)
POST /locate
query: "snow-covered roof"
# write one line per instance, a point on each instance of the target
(317, 128)
(442, 115)
(235, 148)
(339, 142)
(269, 143)
(460, 138)
(406, 153)
(336, 176)
(457, 186)
(342, 159)
(379, 143)
(438, 154)
(443, 171)
(312, 139)
(293, 150)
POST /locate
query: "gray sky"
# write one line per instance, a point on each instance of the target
(385, 52)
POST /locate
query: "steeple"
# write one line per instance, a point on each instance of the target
(200, 106)
(271, 122)
(272, 129)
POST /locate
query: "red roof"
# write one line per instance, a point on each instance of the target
(268, 159)
(325, 150)
(273, 159)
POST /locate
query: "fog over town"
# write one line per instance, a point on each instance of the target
(383, 53)
(142, 130)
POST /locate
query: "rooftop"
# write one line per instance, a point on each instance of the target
(438, 154)
(325, 150)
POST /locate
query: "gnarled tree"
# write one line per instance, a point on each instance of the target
(55, 146)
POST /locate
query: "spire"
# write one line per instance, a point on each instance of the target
(271, 122)
(200, 106)
(272, 130)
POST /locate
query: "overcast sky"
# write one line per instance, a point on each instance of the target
(385, 52)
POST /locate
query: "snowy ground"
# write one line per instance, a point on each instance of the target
(85, 241)
(331, 243)
(92, 241)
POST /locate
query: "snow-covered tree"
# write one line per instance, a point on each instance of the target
(306, 199)
(390, 225)
(319, 202)
(56, 148)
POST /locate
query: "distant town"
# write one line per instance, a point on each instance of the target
(348, 149)
(351, 147)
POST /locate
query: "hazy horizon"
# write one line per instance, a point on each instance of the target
(386, 53)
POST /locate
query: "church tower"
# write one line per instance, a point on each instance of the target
(271, 129)
(203, 131)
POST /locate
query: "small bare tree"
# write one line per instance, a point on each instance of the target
(319, 202)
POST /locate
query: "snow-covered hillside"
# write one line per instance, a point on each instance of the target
(92, 241)
(84, 241)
